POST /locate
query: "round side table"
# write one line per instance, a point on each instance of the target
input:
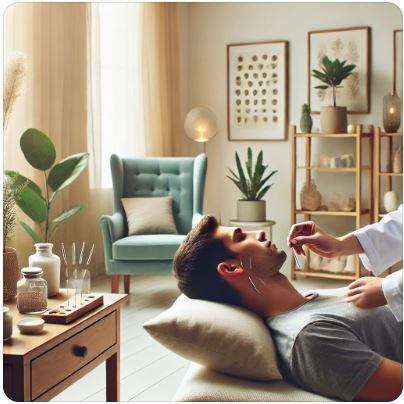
(266, 224)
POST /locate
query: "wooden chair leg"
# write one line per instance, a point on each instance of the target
(126, 282)
(115, 283)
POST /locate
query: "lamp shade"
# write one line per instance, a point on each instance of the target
(200, 124)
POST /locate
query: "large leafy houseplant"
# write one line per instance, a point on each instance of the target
(40, 153)
(332, 74)
(251, 184)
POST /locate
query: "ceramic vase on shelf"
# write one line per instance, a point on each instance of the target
(50, 264)
(391, 112)
(310, 197)
(398, 160)
(390, 201)
(11, 273)
(306, 122)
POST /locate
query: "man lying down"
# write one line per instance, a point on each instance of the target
(325, 345)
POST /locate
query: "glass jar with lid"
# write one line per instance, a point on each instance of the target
(32, 291)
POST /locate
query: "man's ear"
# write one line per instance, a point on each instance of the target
(226, 269)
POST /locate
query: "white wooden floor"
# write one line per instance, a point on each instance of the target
(149, 372)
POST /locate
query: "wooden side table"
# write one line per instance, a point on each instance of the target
(38, 367)
(267, 224)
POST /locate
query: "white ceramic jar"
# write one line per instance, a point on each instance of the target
(50, 264)
(390, 201)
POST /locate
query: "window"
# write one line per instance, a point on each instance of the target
(119, 80)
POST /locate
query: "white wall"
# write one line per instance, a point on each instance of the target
(211, 26)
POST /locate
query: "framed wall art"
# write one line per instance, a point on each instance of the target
(398, 63)
(352, 45)
(257, 91)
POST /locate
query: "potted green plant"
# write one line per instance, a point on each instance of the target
(252, 184)
(40, 153)
(333, 119)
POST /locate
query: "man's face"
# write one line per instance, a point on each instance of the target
(258, 256)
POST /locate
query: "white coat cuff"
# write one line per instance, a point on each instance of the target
(370, 258)
(392, 290)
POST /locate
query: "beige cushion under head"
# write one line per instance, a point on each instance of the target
(149, 215)
(221, 337)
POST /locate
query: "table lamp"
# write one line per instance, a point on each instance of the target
(200, 125)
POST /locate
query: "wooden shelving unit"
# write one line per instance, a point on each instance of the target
(388, 174)
(359, 136)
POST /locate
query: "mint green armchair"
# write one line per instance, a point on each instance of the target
(181, 178)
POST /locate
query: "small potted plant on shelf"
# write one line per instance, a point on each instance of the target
(333, 119)
(252, 185)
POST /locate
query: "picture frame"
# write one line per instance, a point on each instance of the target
(352, 45)
(257, 91)
(398, 62)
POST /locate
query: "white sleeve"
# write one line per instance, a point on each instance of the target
(393, 292)
(382, 242)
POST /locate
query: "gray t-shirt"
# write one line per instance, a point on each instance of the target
(332, 347)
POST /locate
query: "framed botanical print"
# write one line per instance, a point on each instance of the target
(398, 63)
(257, 90)
(352, 45)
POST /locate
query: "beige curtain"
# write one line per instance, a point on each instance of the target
(61, 97)
(52, 36)
(161, 78)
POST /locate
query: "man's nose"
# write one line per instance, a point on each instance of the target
(256, 234)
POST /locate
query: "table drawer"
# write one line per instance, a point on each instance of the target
(58, 363)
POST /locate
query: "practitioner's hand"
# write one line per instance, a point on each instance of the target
(366, 292)
(315, 238)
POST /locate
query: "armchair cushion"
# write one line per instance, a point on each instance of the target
(149, 215)
(147, 247)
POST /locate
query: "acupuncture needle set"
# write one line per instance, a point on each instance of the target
(77, 285)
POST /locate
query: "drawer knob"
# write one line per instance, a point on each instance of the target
(81, 351)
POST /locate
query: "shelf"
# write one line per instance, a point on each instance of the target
(333, 170)
(329, 213)
(391, 174)
(332, 135)
(328, 275)
(384, 134)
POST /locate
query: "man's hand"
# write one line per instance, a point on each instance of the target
(366, 292)
(315, 238)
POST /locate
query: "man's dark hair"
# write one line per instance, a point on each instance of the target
(195, 265)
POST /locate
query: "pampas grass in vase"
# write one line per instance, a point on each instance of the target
(14, 79)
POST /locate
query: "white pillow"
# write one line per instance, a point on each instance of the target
(149, 215)
(221, 337)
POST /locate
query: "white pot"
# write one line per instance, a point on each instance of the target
(50, 264)
(251, 211)
(390, 201)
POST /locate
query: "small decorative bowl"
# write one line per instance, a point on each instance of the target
(30, 325)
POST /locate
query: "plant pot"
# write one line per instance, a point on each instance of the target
(333, 119)
(11, 273)
(251, 211)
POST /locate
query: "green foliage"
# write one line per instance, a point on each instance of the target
(252, 185)
(306, 108)
(332, 75)
(39, 151)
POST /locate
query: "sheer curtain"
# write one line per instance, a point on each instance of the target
(134, 78)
